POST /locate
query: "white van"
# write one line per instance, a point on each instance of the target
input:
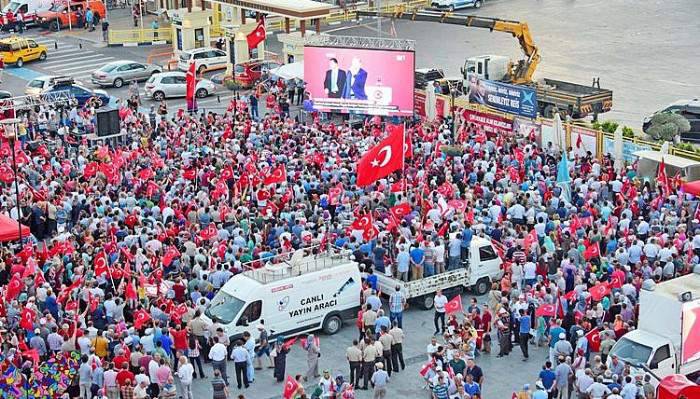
(205, 58)
(299, 295)
(483, 267)
(28, 8)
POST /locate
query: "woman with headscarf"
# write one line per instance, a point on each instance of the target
(280, 359)
(313, 352)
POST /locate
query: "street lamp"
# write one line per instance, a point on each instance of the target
(10, 133)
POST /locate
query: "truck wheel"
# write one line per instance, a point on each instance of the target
(482, 286)
(426, 302)
(54, 26)
(332, 324)
(477, 4)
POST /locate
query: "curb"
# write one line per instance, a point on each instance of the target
(138, 44)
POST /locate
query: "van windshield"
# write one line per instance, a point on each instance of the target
(631, 352)
(57, 7)
(224, 308)
(13, 6)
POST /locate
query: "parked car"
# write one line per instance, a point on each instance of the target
(41, 84)
(81, 94)
(205, 58)
(117, 72)
(174, 84)
(250, 72)
(17, 50)
(690, 110)
(452, 5)
(57, 17)
(27, 8)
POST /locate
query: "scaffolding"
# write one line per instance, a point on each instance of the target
(23, 103)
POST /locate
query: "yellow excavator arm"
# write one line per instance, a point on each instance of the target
(520, 73)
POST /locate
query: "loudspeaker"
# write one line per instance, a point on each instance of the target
(107, 122)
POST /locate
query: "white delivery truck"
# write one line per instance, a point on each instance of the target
(657, 343)
(482, 267)
(295, 295)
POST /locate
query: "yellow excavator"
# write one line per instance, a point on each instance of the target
(520, 72)
(569, 99)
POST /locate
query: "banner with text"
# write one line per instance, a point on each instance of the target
(489, 122)
(516, 100)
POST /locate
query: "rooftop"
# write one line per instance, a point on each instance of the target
(298, 9)
(300, 262)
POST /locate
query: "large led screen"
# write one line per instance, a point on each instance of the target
(360, 81)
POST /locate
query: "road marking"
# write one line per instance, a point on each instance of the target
(24, 73)
(82, 59)
(63, 55)
(93, 66)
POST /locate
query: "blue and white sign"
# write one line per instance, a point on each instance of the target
(516, 100)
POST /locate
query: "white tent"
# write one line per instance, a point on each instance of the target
(295, 70)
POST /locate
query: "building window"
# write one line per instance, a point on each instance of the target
(199, 38)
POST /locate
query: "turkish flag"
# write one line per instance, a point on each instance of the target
(152, 188)
(141, 317)
(399, 186)
(100, 264)
(209, 232)
(546, 310)
(277, 175)
(593, 338)
(146, 173)
(364, 222)
(426, 368)
(690, 344)
(579, 141)
(400, 211)
(370, 233)
(570, 295)
(454, 305)
(257, 35)
(90, 169)
(170, 254)
(381, 160)
(663, 178)
(190, 85)
(226, 173)
(189, 174)
(335, 194)
(27, 317)
(71, 306)
(599, 291)
(290, 386)
(447, 190)
(615, 282)
(592, 251)
(130, 291)
(458, 205)
(6, 174)
(65, 293)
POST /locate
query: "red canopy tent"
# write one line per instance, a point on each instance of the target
(9, 229)
(675, 386)
(692, 187)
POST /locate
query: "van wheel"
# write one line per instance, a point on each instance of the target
(42, 56)
(332, 324)
(19, 63)
(482, 286)
(477, 4)
(451, 8)
(54, 26)
(426, 302)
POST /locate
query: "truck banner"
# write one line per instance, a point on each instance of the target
(690, 332)
(516, 100)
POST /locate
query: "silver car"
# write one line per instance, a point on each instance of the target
(117, 72)
(174, 84)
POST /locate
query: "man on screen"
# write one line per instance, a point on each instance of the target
(356, 78)
(334, 84)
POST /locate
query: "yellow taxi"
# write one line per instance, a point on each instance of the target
(18, 50)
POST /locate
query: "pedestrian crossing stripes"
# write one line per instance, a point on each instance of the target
(68, 59)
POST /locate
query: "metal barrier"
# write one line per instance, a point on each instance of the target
(123, 36)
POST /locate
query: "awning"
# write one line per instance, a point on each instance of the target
(295, 70)
(675, 385)
(9, 229)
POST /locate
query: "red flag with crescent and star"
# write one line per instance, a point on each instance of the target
(257, 35)
(141, 317)
(546, 310)
(593, 338)
(400, 211)
(290, 386)
(599, 291)
(382, 159)
(100, 264)
(277, 175)
(364, 222)
(190, 85)
(454, 305)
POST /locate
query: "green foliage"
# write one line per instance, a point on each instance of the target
(609, 126)
(627, 132)
(232, 84)
(665, 126)
(596, 125)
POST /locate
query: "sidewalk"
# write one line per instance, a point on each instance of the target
(119, 19)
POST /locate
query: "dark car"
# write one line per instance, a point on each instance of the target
(690, 110)
(79, 93)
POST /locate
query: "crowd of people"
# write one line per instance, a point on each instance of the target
(130, 242)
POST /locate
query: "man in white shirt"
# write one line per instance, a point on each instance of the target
(240, 358)
(440, 301)
(432, 348)
(597, 390)
(153, 374)
(185, 372)
(217, 354)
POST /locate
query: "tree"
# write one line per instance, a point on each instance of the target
(666, 126)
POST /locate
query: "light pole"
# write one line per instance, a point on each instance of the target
(9, 125)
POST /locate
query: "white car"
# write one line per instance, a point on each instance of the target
(205, 58)
(174, 84)
(41, 84)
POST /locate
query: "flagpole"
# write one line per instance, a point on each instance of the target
(403, 162)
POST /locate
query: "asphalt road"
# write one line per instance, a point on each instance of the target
(645, 51)
(502, 376)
